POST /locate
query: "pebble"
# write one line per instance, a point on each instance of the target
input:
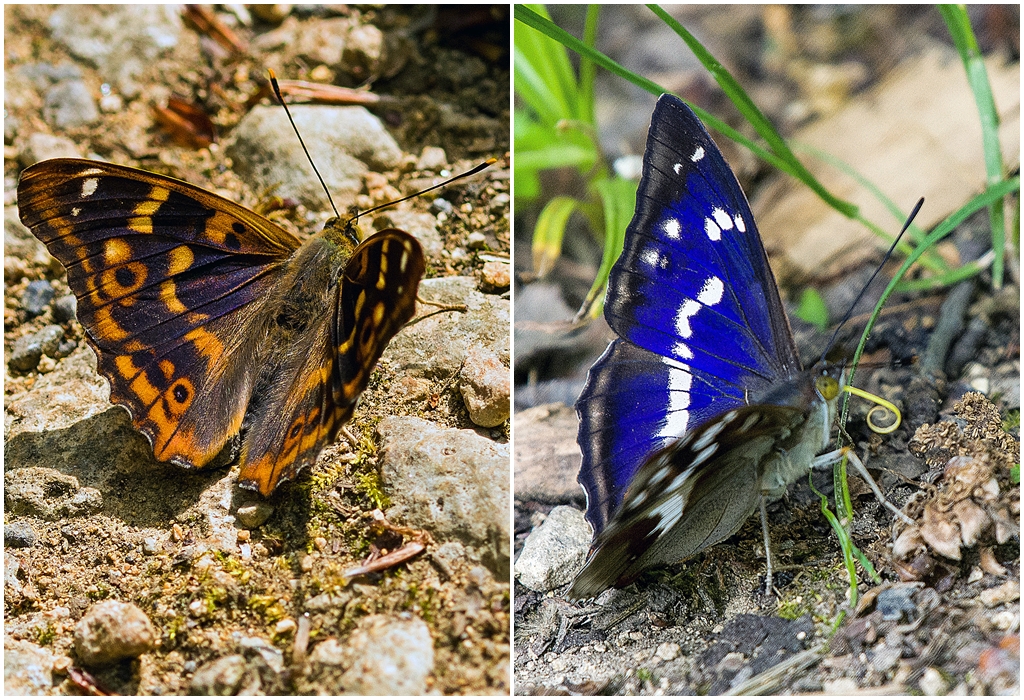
(1006, 593)
(252, 515)
(19, 535)
(36, 297)
(932, 683)
(47, 493)
(40, 146)
(476, 241)
(441, 206)
(432, 158)
(151, 546)
(499, 204)
(894, 603)
(110, 631)
(221, 676)
(26, 350)
(27, 669)
(667, 651)
(486, 387)
(70, 104)
(388, 657)
(554, 551)
(495, 276)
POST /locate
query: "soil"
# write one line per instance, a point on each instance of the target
(446, 84)
(939, 618)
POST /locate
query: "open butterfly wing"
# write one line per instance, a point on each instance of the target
(374, 298)
(164, 273)
(696, 306)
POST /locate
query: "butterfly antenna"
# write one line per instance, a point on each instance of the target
(280, 98)
(486, 164)
(864, 289)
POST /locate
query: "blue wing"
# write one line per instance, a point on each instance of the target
(695, 304)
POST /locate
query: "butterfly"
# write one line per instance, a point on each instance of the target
(209, 320)
(700, 410)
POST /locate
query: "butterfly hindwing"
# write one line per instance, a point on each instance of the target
(166, 275)
(331, 363)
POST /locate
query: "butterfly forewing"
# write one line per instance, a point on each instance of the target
(696, 307)
(164, 273)
(321, 380)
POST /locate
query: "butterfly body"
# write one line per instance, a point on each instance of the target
(700, 409)
(206, 316)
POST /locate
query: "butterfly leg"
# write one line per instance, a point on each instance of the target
(836, 455)
(767, 549)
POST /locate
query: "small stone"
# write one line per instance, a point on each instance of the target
(26, 350)
(389, 657)
(69, 104)
(432, 158)
(499, 204)
(555, 551)
(441, 206)
(285, 627)
(110, 631)
(840, 686)
(86, 501)
(221, 676)
(65, 308)
(243, 535)
(485, 387)
(476, 241)
(1006, 593)
(667, 651)
(895, 602)
(40, 146)
(306, 563)
(495, 276)
(272, 14)
(111, 103)
(932, 683)
(254, 514)
(36, 297)
(19, 535)
(151, 545)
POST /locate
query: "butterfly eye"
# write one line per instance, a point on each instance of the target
(827, 386)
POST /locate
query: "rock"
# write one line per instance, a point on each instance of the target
(555, 551)
(441, 206)
(1005, 593)
(347, 141)
(486, 387)
(252, 515)
(19, 535)
(48, 494)
(70, 104)
(121, 40)
(437, 346)
(495, 277)
(110, 631)
(432, 158)
(668, 651)
(65, 308)
(896, 602)
(453, 483)
(322, 42)
(23, 252)
(40, 146)
(932, 683)
(383, 656)
(28, 669)
(476, 241)
(548, 460)
(12, 571)
(221, 676)
(28, 349)
(36, 297)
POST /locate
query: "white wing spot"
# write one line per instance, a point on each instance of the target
(712, 291)
(709, 435)
(404, 260)
(740, 223)
(704, 455)
(75, 211)
(89, 186)
(672, 228)
(650, 256)
(683, 316)
(668, 513)
(698, 154)
(723, 219)
(679, 382)
(712, 229)
(677, 167)
(682, 351)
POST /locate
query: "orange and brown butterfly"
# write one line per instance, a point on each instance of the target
(208, 319)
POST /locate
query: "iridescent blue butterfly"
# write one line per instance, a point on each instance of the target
(700, 410)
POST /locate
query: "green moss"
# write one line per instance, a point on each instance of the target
(1011, 421)
(45, 635)
(370, 485)
(645, 675)
(268, 607)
